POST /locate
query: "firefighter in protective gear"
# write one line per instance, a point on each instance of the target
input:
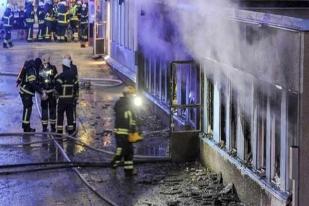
(62, 21)
(41, 20)
(125, 123)
(83, 28)
(75, 72)
(49, 20)
(27, 80)
(29, 18)
(74, 20)
(7, 24)
(67, 87)
(46, 80)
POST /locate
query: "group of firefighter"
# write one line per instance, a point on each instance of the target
(53, 19)
(59, 95)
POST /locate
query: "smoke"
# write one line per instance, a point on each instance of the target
(205, 31)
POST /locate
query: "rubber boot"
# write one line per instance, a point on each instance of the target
(11, 44)
(5, 46)
(45, 128)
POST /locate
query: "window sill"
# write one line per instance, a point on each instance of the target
(277, 193)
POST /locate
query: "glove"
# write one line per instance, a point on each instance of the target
(44, 96)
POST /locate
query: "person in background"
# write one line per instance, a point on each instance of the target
(62, 21)
(74, 20)
(41, 20)
(29, 18)
(49, 20)
(83, 26)
(7, 24)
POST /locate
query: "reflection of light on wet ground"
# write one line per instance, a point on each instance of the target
(98, 63)
(86, 137)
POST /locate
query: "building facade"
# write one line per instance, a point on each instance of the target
(238, 77)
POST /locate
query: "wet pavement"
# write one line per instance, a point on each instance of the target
(152, 185)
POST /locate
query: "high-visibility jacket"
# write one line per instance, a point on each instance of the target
(62, 14)
(41, 15)
(73, 13)
(29, 13)
(125, 119)
(66, 84)
(46, 77)
(8, 18)
(28, 79)
(84, 16)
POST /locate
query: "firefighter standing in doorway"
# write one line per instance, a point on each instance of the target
(27, 80)
(125, 125)
(67, 88)
(29, 17)
(46, 79)
(83, 28)
(7, 24)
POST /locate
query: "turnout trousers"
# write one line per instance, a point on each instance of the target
(48, 30)
(27, 110)
(49, 112)
(65, 105)
(41, 31)
(61, 31)
(29, 31)
(124, 149)
(7, 39)
(83, 32)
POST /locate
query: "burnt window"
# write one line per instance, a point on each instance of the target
(210, 108)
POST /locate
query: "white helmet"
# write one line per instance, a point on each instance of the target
(79, 2)
(41, 4)
(45, 58)
(9, 6)
(30, 1)
(63, 3)
(84, 5)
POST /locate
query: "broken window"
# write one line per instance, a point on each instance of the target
(261, 102)
(163, 82)
(275, 110)
(223, 92)
(210, 109)
(234, 121)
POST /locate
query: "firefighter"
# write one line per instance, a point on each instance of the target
(62, 21)
(7, 24)
(49, 20)
(75, 72)
(29, 17)
(84, 26)
(46, 80)
(41, 20)
(66, 86)
(74, 20)
(55, 13)
(125, 123)
(27, 80)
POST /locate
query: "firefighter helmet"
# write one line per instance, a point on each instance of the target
(45, 58)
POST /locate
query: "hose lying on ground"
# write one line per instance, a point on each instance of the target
(99, 82)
